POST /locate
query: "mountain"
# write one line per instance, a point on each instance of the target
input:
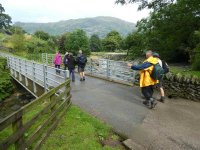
(97, 25)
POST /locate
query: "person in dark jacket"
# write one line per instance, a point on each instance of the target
(81, 62)
(65, 60)
(71, 66)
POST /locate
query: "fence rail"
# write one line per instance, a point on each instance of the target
(30, 71)
(52, 109)
(104, 68)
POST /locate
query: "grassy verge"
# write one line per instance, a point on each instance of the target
(80, 131)
(184, 71)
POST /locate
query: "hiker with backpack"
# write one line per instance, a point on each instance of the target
(146, 81)
(81, 62)
(165, 67)
(57, 61)
(65, 60)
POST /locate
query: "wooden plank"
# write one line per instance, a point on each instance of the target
(19, 133)
(53, 126)
(17, 125)
(42, 126)
(11, 118)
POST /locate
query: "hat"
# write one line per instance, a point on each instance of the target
(66, 53)
(156, 55)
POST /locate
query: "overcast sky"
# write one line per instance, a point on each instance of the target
(56, 10)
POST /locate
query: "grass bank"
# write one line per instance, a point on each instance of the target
(81, 131)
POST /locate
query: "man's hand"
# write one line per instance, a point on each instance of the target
(129, 65)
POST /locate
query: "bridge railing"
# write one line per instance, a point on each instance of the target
(104, 68)
(30, 71)
(28, 127)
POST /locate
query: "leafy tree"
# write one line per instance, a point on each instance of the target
(42, 35)
(77, 40)
(5, 19)
(112, 41)
(95, 43)
(153, 4)
(134, 44)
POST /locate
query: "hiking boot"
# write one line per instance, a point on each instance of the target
(145, 102)
(152, 103)
(162, 99)
(83, 78)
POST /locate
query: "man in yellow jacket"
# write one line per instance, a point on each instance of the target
(146, 82)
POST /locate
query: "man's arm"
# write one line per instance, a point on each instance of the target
(141, 66)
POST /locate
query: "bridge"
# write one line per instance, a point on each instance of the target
(172, 125)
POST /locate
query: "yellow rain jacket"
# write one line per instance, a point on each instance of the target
(145, 78)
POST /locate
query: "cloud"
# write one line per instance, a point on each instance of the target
(51, 10)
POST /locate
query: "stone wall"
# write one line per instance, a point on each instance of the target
(181, 86)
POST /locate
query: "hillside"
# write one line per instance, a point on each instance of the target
(97, 25)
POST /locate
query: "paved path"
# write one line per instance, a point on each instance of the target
(173, 125)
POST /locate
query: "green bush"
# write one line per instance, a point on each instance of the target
(196, 61)
(6, 86)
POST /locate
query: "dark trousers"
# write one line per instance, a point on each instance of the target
(71, 74)
(57, 66)
(147, 92)
(65, 67)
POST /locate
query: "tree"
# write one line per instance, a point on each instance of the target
(77, 40)
(95, 43)
(153, 4)
(112, 41)
(42, 35)
(134, 44)
(5, 19)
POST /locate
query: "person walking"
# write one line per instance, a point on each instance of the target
(146, 81)
(57, 61)
(81, 62)
(165, 67)
(65, 60)
(71, 66)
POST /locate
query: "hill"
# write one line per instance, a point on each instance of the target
(97, 25)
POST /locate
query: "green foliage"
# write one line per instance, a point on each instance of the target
(5, 20)
(112, 41)
(36, 45)
(18, 42)
(80, 131)
(6, 87)
(16, 30)
(77, 40)
(42, 35)
(95, 43)
(98, 25)
(169, 29)
(134, 44)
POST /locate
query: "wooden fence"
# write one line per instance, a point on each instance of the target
(28, 127)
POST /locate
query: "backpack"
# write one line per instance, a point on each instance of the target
(165, 67)
(82, 59)
(157, 72)
(65, 60)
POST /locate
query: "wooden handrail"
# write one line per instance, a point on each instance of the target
(20, 128)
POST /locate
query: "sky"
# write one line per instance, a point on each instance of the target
(56, 10)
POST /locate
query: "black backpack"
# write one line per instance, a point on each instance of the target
(165, 67)
(82, 59)
(157, 72)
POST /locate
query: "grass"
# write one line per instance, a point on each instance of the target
(77, 130)
(80, 131)
(184, 71)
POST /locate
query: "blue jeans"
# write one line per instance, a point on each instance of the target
(71, 73)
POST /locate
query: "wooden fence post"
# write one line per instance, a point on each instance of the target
(17, 125)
